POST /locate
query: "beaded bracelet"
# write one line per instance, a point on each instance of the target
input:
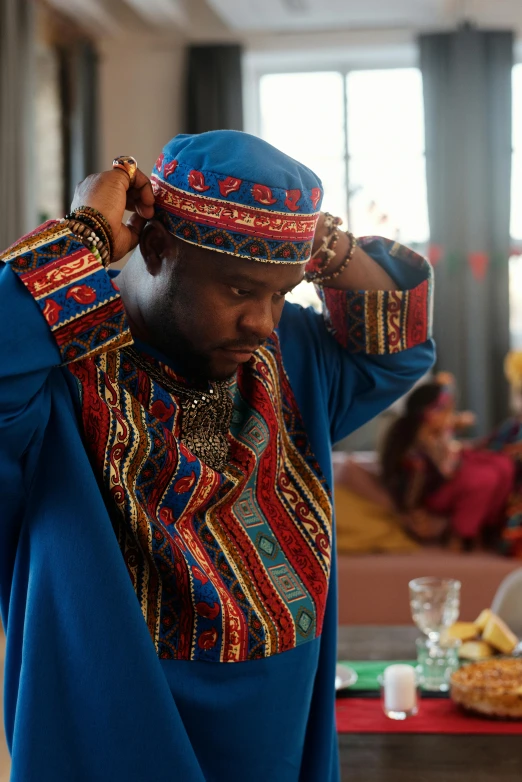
(321, 279)
(102, 221)
(97, 222)
(89, 238)
(96, 227)
(327, 248)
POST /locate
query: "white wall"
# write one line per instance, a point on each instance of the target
(141, 97)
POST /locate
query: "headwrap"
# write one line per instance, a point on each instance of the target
(446, 397)
(232, 192)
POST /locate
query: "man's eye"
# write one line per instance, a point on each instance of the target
(240, 292)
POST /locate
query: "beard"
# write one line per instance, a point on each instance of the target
(168, 335)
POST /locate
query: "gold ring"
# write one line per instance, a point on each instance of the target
(128, 164)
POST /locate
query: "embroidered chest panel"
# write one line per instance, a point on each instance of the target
(227, 566)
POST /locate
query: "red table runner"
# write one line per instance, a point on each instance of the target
(436, 715)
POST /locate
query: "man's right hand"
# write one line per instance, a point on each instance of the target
(110, 193)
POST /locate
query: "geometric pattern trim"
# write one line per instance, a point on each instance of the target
(381, 322)
(77, 297)
(247, 231)
(240, 192)
(225, 565)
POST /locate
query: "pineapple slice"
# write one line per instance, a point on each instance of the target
(475, 650)
(498, 634)
(483, 619)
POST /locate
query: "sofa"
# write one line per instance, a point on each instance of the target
(373, 588)
(376, 559)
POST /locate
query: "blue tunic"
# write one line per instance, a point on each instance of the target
(107, 676)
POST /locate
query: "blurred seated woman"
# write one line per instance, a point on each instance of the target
(430, 474)
(507, 439)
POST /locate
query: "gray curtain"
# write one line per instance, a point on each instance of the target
(15, 119)
(214, 89)
(80, 122)
(467, 97)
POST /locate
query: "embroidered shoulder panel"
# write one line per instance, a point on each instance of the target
(79, 301)
(227, 566)
(382, 322)
(247, 231)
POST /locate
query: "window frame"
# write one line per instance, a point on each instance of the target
(257, 63)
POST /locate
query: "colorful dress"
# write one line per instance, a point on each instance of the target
(507, 440)
(475, 497)
(165, 620)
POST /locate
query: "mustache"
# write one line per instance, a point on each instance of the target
(242, 346)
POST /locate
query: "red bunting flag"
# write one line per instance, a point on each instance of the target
(478, 263)
(435, 253)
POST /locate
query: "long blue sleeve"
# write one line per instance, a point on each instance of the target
(365, 350)
(57, 305)
(85, 696)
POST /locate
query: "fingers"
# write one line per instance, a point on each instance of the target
(140, 197)
(141, 181)
(128, 236)
(110, 193)
(135, 224)
(137, 202)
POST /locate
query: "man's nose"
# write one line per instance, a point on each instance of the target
(259, 320)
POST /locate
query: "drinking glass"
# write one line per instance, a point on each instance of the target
(435, 664)
(435, 604)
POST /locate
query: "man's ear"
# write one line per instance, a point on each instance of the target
(155, 246)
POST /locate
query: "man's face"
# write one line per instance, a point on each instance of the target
(212, 311)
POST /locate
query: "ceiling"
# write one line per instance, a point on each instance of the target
(292, 15)
(307, 15)
(212, 19)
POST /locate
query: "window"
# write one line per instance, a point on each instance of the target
(362, 132)
(515, 262)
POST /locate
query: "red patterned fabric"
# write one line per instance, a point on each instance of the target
(226, 566)
(85, 318)
(381, 322)
(280, 226)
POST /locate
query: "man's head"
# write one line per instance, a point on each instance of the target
(233, 230)
(207, 311)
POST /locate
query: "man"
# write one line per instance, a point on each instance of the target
(168, 578)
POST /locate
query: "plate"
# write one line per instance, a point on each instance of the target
(344, 677)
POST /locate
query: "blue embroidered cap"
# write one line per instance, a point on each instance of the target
(235, 193)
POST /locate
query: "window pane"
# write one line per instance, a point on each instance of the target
(303, 115)
(386, 145)
(515, 301)
(388, 198)
(385, 112)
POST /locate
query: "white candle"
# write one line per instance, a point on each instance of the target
(399, 688)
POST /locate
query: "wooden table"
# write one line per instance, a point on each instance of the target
(416, 757)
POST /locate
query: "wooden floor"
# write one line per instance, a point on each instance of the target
(5, 764)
